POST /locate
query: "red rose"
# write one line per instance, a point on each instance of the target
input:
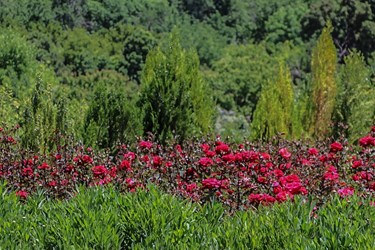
(265, 156)
(229, 158)
(356, 164)
(344, 192)
(86, 159)
(156, 161)
(191, 187)
(205, 162)
(44, 166)
(367, 141)
(205, 147)
(356, 177)
(306, 162)
(254, 197)
(211, 183)
(289, 179)
(250, 156)
(283, 196)
(52, 183)
(129, 156)
(145, 144)
(22, 194)
(262, 179)
(178, 148)
(145, 158)
(278, 173)
(336, 146)
(210, 153)
(222, 148)
(99, 171)
(285, 153)
(294, 187)
(27, 171)
(261, 198)
(313, 151)
(125, 165)
(331, 174)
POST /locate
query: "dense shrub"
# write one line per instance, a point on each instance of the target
(110, 116)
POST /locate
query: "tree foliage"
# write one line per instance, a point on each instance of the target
(40, 119)
(110, 117)
(136, 47)
(356, 98)
(324, 87)
(274, 110)
(174, 99)
(240, 74)
(353, 24)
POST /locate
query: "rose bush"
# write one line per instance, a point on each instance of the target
(241, 176)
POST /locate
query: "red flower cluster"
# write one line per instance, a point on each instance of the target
(245, 175)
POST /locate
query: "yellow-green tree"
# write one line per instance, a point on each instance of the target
(323, 85)
(273, 113)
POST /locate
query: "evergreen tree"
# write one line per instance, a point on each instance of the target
(174, 99)
(273, 113)
(356, 98)
(39, 119)
(298, 117)
(110, 117)
(323, 66)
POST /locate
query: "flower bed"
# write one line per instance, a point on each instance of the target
(241, 176)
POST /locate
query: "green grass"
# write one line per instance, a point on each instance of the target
(99, 218)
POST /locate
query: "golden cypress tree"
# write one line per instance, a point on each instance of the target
(323, 66)
(273, 113)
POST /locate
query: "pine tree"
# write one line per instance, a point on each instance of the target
(174, 99)
(273, 113)
(323, 86)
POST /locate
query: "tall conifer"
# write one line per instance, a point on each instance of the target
(273, 113)
(174, 98)
(323, 86)
(356, 98)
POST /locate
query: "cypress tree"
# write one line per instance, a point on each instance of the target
(323, 86)
(273, 113)
(356, 98)
(174, 99)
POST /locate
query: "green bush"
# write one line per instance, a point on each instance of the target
(111, 117)
(174, 99)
